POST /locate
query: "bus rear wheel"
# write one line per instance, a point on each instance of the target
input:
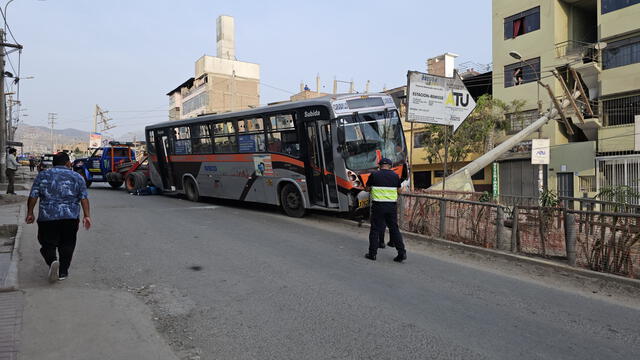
(291, 201)
(115, 184)
(191, 190)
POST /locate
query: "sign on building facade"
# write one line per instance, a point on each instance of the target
(540, 152)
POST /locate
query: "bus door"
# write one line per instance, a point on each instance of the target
(162, 146)
(326, 141)
(320, 178)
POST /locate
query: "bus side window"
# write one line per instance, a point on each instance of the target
(151, 144)
(282, 136)
(253, 139)
(201, 139)
(182, 142)
(224, 140)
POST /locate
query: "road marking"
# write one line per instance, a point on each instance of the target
(192, 208)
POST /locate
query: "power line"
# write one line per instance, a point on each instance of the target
(6, 24)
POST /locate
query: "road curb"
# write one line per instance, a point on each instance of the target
(11, 280)
(512, 257)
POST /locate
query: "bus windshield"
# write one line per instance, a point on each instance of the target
(363, 136)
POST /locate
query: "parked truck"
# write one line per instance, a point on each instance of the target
(113, 164)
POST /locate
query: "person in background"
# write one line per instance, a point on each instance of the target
(32, 163)
(61, 192)
(12, 167)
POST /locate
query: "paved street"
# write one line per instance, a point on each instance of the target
(229, 281)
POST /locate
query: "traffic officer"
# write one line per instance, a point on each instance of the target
(383, 185)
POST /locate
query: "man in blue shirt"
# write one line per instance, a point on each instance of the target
(61, 192)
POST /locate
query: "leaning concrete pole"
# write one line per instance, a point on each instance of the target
(461, 179)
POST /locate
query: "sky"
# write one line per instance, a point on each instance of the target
(125, 55)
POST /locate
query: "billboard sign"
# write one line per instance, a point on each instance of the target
(540, 152)
(437, 100)
(95, 140)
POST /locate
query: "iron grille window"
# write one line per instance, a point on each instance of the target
(522, 73)
(613, 5)
(621, 53)
(620, 111)
(522, 23)
(519, 121)
(587, 183)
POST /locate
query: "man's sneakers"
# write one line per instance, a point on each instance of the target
(62, 276)
(370, 257)
(53, 271)
(400, 258)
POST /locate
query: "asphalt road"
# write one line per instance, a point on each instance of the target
(234, 281)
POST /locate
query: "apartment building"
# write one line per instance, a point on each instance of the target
(221, 83)
(600, 39)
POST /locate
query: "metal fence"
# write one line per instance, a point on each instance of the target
(601, 241)
(578, 49)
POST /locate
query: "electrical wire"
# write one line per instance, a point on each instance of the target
(6, 24)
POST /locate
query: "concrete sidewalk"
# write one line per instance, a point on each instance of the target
(74, 320)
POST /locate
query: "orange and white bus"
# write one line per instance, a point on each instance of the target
(310, 154)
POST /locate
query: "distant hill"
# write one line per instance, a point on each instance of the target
(38, 138)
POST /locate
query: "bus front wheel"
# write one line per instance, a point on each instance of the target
(191, 190)
(291, 201)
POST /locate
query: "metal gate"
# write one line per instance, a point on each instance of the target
(617, 171)
(519, 178)
(565, 184)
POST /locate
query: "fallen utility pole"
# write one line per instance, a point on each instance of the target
(461, 179)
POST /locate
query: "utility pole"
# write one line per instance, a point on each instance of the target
(3, 108)
(3, 114)
(52, 122)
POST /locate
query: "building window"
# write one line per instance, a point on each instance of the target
(420, 139)
(621, 53)
(197, 102)
(422, 179)
(519, 73)
(479, 176)
(522, 23)
(519, 121)
(620, 111)
(587, 183)
(613, 5)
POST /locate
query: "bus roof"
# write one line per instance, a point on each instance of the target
(319, 101)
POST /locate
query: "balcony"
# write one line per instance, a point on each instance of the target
(578, 51)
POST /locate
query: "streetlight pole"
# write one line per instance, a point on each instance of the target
(516, 55)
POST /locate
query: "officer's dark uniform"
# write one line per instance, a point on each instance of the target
(384, 186)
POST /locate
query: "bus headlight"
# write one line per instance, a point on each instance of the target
(353, 177)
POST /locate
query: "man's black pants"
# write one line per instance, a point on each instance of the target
(11, 179)
(385, 213)
(60, 236)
